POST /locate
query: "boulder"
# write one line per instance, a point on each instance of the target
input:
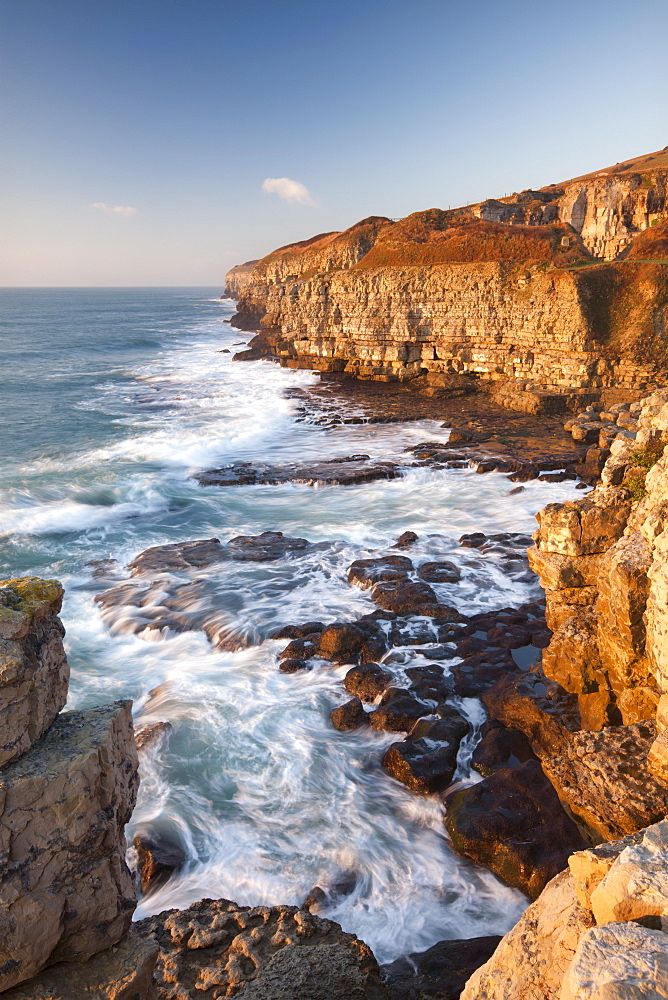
(216, 949)
(66, 890)
(398, 711)
(440, 572)
(34, 672)
(537, 707)
(621, 961)
(514, 824)
(426, 761)
(349, 716)
(500, 747)
(604, 780)
(124, 972)
(367, 681)
(157, 858)
(531, 960)
(340, 643)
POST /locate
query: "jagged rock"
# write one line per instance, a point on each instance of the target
(539, 708)
(589, 867)
(426, 761)
(349, 716)
(636, 884)
(500, 747)
(149, 737)
(513, 823)
(336, 471)
(604, 779)
(440, 972)
(531, 960)
(216, 948)
(124, 972)
(157, 859)
(67, 892)
(34, 672)
(618, 962)
(367, 681)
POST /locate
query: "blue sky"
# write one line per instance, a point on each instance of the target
(168, 116)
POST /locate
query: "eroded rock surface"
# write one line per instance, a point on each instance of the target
(218, 949)
(332, 472)
(66, 891)
(34, 672)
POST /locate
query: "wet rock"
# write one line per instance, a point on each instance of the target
(341, 885)
(299, 631)
(349, 716)
(124, 972)
(149, 737)
(426, 761)
(157, 859)
(367, 681)
(500, 747)
(539, 708)
(473, 540)
(341, 643)
(510, 636)
(405, 597)
(101, 568)
(64, 805)
(439, 973)
(405, 540)
(216, 948)
(513, 823)
(429, 683)
(182, 555)
(367, 572)
(531, 960)
(398, 711)
(604, 779)
(34, 672)
(337, 471)
(481, 672)
(298, 649)
(265, 547)
(440, 572)
(292, 666)
(524, 475)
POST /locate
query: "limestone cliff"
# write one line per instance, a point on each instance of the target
(545, 287)
(237, 278)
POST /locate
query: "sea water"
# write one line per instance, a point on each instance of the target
(110, 400)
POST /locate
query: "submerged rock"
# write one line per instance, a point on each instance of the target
(216, 948)
(157, 859)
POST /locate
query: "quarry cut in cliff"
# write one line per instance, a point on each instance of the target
(563, 289)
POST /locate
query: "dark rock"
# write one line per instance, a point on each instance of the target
(510, 636)
(524, 475)
(184, 555)
(265, 547)
(405, 597)
(291, 666)
(426, 761)
(473, 540)
(405, 539)
(440, 572)
(349, 716)
(429, 682)
(513, 823)
(471, 645)
(439, 973)
(367, 681)
(398, 711)
(298, 649)
(157, 859)
(338, 471)
(500, 747)
(299, 631)
(341, 643)
(366, 572)
(477, 674)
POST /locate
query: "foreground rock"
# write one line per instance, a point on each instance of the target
(513, 823)
(34, 672)
(427, 759)
(332, 472)
(439, 973)
(217, 949)
(593, 934)
(66, 891)
(124, 972)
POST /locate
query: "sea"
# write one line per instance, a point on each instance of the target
(110, 401)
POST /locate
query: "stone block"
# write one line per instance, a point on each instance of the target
(584, 527)
(34, 672)
(66, 891)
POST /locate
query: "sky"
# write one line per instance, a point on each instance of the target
(160, 142)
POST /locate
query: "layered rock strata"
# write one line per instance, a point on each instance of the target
(541, 294)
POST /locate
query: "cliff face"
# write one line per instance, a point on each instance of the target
(237, 279)
(508, 290)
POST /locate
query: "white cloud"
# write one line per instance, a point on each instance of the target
(288, 190)
(113, 209)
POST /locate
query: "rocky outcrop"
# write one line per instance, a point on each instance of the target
(494, 291)
(237, 278)
(66, 890)
(34, 672)
(594, 933)
(217, 949)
